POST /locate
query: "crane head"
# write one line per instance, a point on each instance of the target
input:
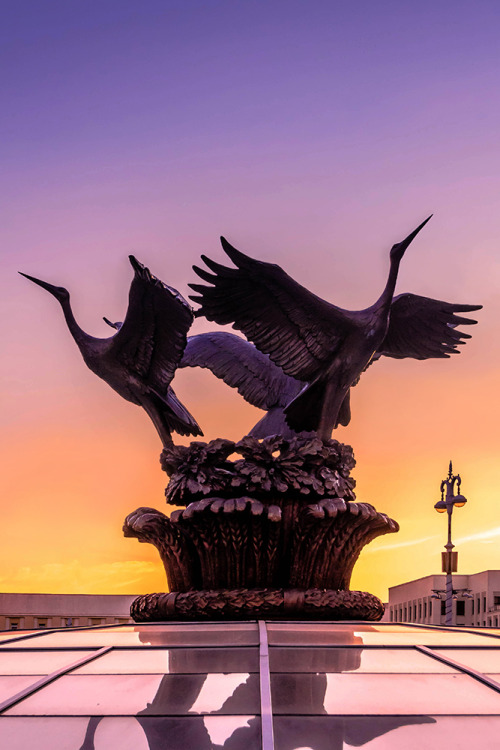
(59, 292)
(398, 250)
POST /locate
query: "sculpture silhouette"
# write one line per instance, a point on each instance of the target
(140, 360)
(242, 366)
(318, 343)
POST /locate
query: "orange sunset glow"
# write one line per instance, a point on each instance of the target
(311, 136)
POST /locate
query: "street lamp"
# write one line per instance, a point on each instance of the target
(450, 558)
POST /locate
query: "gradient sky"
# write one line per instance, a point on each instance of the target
(313, 134)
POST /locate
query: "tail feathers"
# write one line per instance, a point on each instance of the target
(176, 416)
(272, 423)
(304, 412)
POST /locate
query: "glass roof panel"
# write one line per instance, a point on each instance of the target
(352, 660)
(482, 660)
(185, 627)
(381, 694)
(166, 733)
(203, 634)
(125, 695)
(43, 733)
(316, 634)
(173, 661)
(240, 732)
(493, 676)
(12, 684)
(197, 684)
(387, 732)
(10, 634)
(130, 733)
(323, 634)
(37, 662)
(430, 638)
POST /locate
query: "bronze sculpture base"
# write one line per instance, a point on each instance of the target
(273, 534)
(247, 604)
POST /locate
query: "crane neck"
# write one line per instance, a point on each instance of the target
(81, 338)
(385, 300)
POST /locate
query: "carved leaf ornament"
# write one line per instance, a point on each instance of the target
(276, 465)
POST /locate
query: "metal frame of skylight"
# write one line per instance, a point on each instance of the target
(47, 679)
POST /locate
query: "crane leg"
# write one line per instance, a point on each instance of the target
(161, 428)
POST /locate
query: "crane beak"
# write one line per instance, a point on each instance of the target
(44, 284)
(401, 246)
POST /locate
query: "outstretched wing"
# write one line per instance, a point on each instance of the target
(240, 365)
(421, 327)
(298, 330)
(153, 335)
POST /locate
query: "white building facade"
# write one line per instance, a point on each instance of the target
(476, 601)
(34, 611)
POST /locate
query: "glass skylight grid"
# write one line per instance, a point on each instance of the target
(206, 686)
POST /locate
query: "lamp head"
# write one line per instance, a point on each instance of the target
(459, 501)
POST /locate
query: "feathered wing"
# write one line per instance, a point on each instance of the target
(298, 330)
(153, 336)
(240, 365)
(150, 343)
(424, 328)
(273, 423)
(264, 385)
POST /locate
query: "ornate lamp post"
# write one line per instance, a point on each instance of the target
(450, 558)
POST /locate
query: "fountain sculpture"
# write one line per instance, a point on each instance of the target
(268, 525)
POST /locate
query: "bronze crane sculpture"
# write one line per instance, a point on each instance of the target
(140, 360)
(324, 346)
(242, 366)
